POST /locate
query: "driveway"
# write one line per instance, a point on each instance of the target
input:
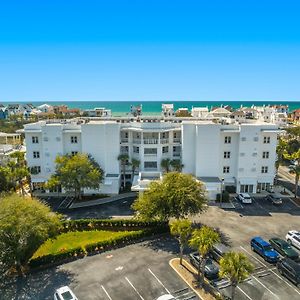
(135, 272)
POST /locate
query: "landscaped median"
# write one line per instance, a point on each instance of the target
(189, 274)
(79, 238)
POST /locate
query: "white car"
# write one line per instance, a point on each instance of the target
(166, 297)
(293, 238)
(64, 293)
(245, 198)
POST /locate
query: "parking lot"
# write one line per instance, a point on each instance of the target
(239, 225)
(136, 272)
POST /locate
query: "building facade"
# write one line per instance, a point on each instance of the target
(242, 154)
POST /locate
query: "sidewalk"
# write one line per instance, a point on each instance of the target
(103, 200)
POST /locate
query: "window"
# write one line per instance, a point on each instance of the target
(165, 135)
(227, 139)
(264, 169)
(124, 149)
(266, 140)
(35, 140)
(136, 149)
(265, 154)
(126, 135)
(36, 154)
(74, 153)
(150, 165)
(243, 139)
(226, 170)
(150, 151)
(165, 149)
(227, 154)
(36, 170)
(74, 139)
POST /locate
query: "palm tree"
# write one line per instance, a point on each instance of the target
(236, 267)
(296, 171)
(135, 163)
(123, 158)
(203, 240)
(280, 150)
(166, 164)
(182, 230)
(176, 165)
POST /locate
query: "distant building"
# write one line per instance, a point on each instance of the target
(45, 108)
(98, 112)
(200, 112)
(295, 116)
(168, 110)
(136, 110)
(3, 113)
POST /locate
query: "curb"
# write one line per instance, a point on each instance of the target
(170, 263)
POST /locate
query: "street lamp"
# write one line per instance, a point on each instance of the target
(221, 195)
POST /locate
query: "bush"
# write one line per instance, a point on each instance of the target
(230, 189)
(225, 197)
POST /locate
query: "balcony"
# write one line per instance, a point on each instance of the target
(150, 141)
(137, 141)
(176, 154)
(177, 140)
(164, 141)
(124, 140)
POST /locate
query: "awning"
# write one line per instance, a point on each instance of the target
(38, 180)
(247, 181)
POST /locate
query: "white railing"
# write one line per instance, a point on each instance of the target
(136, 141)
(164, 141)
(177, 140)
(150, 141)
(176, 154)
(124, 140)
(150, 154)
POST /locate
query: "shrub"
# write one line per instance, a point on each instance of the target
(230, 189)
(225, 197)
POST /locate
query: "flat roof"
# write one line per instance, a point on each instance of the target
(209, 179)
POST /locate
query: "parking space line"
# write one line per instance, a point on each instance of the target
(265, 286)
(271, 270)
(159, 281)
(134, 288)
(105, 291)
(244, 293)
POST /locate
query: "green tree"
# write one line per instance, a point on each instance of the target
(203, 240)
(236, 267)
(176, 165)
(294, 132)
(182, 230)
(135, 163)
(5, 179)
(25, 224)
(123, 158)
(296, 169)
(166, 164)
(74, 173)
(280, 150)
(19, 170)
(176, 196)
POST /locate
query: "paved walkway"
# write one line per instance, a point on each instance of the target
(103, 200)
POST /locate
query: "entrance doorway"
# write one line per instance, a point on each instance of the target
(263, 186)
(246, 188)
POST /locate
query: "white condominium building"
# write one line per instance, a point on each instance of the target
(241, 154)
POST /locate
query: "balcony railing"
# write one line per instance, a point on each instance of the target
(136, 141)
(176, 154)
(124, 140)
(150, 141)
(150, 154)
(177, 140)
(164, 141)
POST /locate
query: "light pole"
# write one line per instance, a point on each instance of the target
(221, 195)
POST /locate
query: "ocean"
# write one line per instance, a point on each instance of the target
(121, 108)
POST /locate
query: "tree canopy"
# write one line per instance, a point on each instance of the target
(175, 196)
(74, 173)
(25, 224)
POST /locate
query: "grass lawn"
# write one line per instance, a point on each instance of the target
(70, 240)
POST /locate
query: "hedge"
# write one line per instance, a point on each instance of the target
(96, 248)
(106, 224)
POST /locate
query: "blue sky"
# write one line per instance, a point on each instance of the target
(149, 50)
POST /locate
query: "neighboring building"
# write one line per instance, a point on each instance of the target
(98, 112)
(168, 110)
(45, 108)
(200, 112)
(3, 113)
(136, 110)
(243, 154)
(295, 116)
(65, 111)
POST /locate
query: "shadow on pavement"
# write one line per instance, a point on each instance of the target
(36, 286)
(164, 243)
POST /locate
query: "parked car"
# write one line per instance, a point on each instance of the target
(284, 248)
(211, 270)
(218, 251)
(293, 238)
(264, 249)
(274, 198)
(64, 293)
(290, 269)
(245, 198)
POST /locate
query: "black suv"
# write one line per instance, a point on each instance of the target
(290, 269)
(218, 251)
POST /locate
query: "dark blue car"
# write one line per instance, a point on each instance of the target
(264, 249)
